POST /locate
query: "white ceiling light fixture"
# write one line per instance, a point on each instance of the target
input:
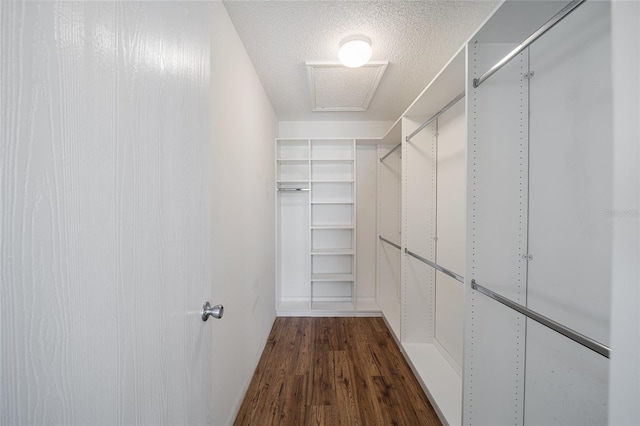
(355, 51)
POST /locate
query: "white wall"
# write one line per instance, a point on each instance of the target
(105, 249)
(334, 129)
(624, 380)
(243, 129)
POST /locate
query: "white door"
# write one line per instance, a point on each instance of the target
(105, 234)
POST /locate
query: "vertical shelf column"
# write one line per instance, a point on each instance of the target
(497, 238)
(332, 225)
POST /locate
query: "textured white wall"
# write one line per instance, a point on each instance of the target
(624, 380)
(334, 129)
(105, 222)
(243, 127)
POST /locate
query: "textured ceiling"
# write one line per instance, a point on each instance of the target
(416, 37)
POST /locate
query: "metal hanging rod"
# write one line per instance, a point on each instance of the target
(557, 327)
(389, 242)
(394, 149)
(293, 189)
(434, 116)
(436, 266)
(533, 37)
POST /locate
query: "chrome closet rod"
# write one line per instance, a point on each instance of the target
(394, 149)
(389, 242)
(436, 266)
(293, 189)
(533, 37)
(434, 116)
(555, 326)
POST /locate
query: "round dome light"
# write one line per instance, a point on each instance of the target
(355, 52)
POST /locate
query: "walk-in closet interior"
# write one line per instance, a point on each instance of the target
(493, 249)
(475, 182)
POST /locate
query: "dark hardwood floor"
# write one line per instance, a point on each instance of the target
(333, 371)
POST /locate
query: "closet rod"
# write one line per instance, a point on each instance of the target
(394, 149)
(434, 116)
(557, 327)
(533, 37)
(293, 189)
(436, 266)
(389, 242)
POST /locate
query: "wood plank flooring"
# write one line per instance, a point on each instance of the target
(333, 371)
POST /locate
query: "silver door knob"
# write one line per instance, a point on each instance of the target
(213, 311)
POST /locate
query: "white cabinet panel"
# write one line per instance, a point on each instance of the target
(451, 224)
(497, 239)
(332, 215)
(332, 149)
(419, 157)
(570, 233)
(293, 170)
(567, 384)
(449, 316)
(419, 161)
(332, 171)
(451, 188)
(293, 245)
(571, 173)
(292, 149)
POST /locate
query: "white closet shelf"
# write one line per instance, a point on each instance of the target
(331, 181)
(292, 160)
(438, 378)
(293, 181)
(332, 160)
(332, 251)
(332, 202)
(332, 277)
(332, 227)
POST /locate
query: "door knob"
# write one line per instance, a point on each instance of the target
(213, 311)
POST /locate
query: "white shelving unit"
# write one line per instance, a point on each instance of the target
(540, 178)
(316, 184)
(535, 133)
(433, 227)
(421, 196)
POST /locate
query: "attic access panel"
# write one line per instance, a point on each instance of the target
(334, 87)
